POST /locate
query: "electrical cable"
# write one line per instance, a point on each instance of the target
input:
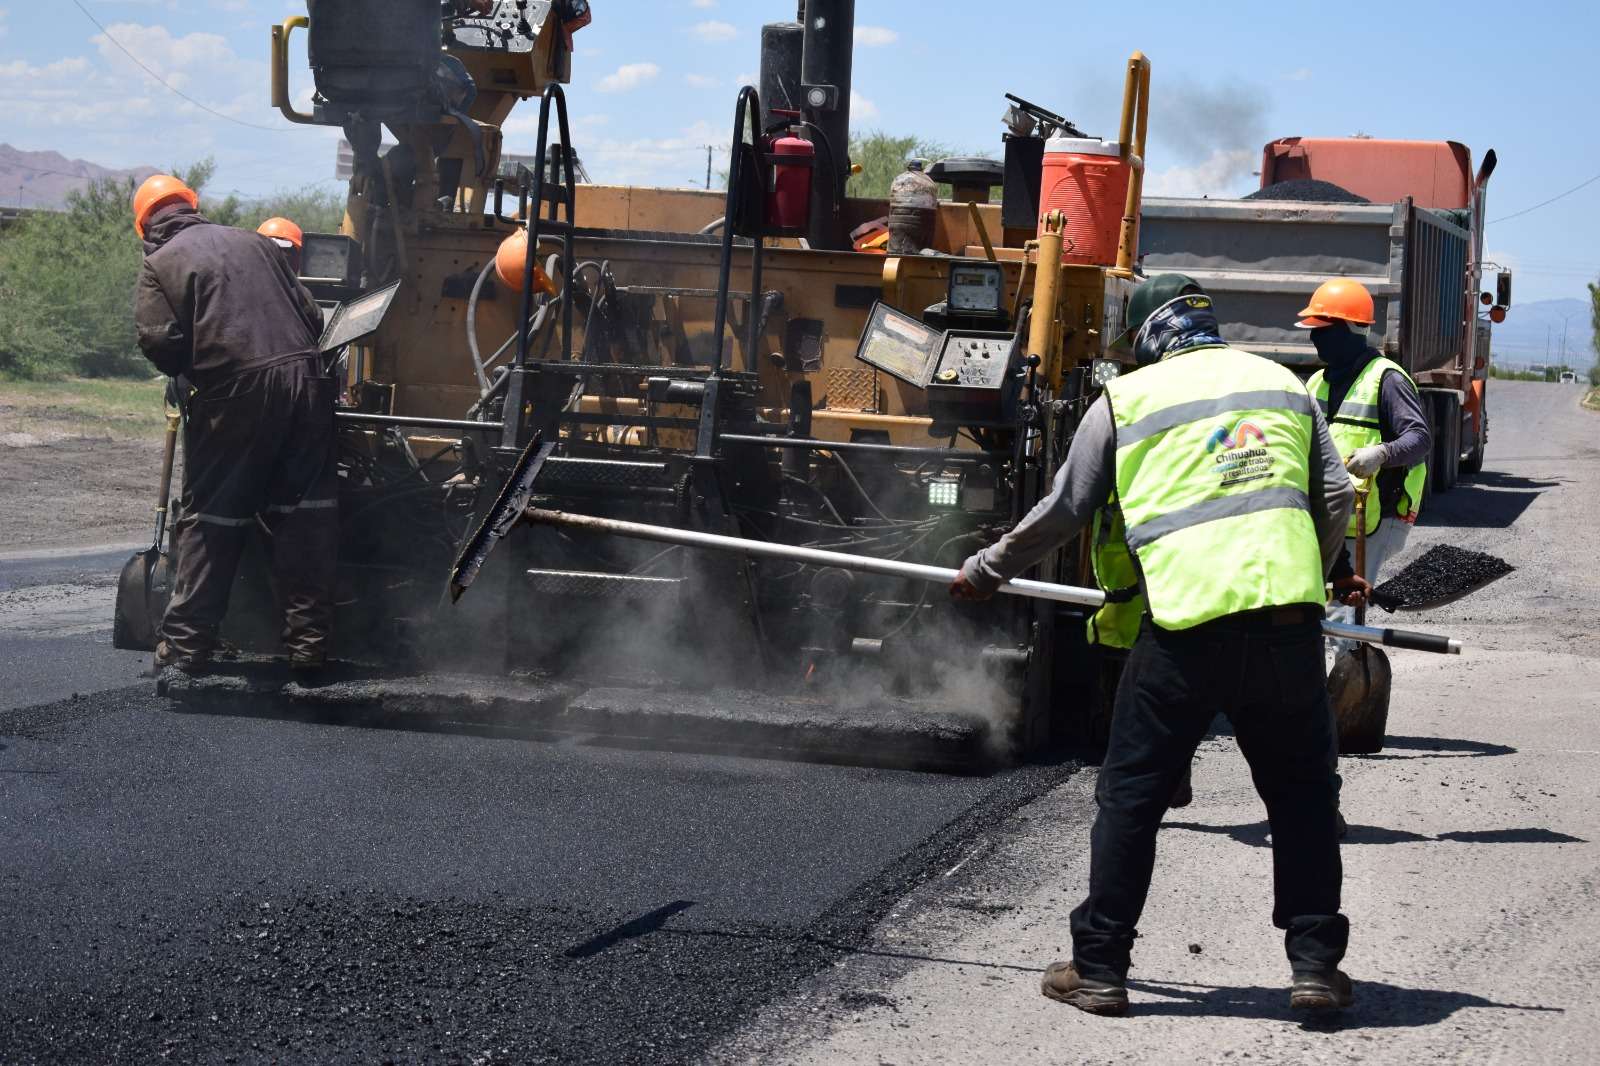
(1545, 203)
(859, 487)
(167, 85)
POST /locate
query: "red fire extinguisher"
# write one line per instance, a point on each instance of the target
(792, 159)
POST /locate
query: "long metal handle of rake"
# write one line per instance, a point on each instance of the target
(1045, 590)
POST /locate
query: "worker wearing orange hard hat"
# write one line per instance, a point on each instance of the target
(1375, 415)
(286, 235)
(222, 309)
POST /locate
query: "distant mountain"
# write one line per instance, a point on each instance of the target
(43, 179)
(1531, 334)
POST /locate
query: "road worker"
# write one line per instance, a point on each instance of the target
(1233, 504)
(222, 308)
(1375, 415)
(286, 235)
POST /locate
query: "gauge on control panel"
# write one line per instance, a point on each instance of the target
(977, 287)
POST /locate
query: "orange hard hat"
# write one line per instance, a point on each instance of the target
(1341, 299)
(157, 192)
(510, 260)
(283, 230)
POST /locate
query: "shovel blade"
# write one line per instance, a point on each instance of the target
(144, 586)
(1358, 689)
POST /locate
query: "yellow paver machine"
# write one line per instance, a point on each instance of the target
(777, 361)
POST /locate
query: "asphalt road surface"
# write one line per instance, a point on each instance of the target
(1470, 867)
(55, 626)
(206, 888)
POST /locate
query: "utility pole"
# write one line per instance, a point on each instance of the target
(708, 166)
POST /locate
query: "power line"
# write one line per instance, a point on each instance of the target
(171, 88)
(1553, 199)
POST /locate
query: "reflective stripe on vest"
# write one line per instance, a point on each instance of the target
(1212, 479)
(1116, 624)
(1355, 425)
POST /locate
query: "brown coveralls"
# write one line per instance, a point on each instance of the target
(222, 307)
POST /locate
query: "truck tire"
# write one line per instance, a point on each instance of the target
(1446, 460)
(1472, 463)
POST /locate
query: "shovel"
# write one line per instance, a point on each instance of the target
(1359, 683)
(145, 584)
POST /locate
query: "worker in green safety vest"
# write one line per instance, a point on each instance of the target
(1232, 504)
(1375, 415)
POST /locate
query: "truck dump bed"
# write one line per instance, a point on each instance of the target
(1261, 259)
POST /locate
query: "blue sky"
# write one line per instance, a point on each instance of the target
(654, 82)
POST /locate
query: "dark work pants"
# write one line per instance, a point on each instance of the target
(258, 452)
(1265, 672)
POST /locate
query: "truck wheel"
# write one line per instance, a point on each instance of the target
(1446, 459)
(1473, 463)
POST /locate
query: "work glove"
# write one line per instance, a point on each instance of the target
(1367, 461)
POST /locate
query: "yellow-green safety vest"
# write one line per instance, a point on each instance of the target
(1355, 425)
(1213, 453)
(1116, 623)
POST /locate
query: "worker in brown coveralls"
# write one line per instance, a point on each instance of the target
(221, 309)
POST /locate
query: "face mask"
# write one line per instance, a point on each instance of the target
(1186, 321)
(1339, 345)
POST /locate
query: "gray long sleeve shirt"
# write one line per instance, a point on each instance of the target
(1085, 481)
(1401, 422)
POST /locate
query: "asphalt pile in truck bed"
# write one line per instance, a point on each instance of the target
(1308, 189)
(1443, 572)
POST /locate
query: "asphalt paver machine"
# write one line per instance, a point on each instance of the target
(747, 362)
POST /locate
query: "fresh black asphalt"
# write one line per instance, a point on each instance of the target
(39, 669)
(213, 888)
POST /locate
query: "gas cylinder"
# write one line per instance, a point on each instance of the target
(913, 199)
(789, 193)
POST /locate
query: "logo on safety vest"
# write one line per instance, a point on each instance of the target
(1243, 455)
(1239, 438)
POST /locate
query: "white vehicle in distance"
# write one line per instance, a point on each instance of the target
(1569, 377)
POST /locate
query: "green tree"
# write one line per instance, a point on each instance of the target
(1594, 335)
(882, 158)
(66, 288)
(67, 278)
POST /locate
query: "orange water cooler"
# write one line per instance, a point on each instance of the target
(1087, 180)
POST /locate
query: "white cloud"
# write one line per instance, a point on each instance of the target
(861, 107)
(746, 78)
(176, 59)
(664, 161)
(628, 76)
(1224, 173)
(713, 32)
(875, 36)
(699, 81)
(1303, 74)
(703, 3)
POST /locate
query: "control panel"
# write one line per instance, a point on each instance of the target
(975, 377)
(509, 26)
(977, 287)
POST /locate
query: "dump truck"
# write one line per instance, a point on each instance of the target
(1407, 222)
(730, 362)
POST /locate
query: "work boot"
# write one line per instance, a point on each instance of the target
(1330, 990)
(1064, 984)
(306, 666)
(169, 657)
(308, 660)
